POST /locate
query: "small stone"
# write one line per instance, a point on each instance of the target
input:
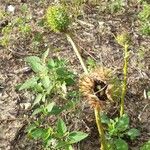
(25, 105)
(11, 8)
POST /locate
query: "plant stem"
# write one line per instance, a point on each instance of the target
(100, 127)
(97, 107)
(125, 71)
(69, 37)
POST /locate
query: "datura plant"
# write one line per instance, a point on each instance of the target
(99, 88)
(58, 20)
(123, 39)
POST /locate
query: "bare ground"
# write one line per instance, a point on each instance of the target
(95, 38)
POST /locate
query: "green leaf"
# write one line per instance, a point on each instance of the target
(45, 81)
(133, 133)
(69, 81)
(123, 123)
(51, 64)
(31, 127)
(56, 110)
(120, 144)
(37, 111)
(61, 127)
(146, 146)
(37, 99)
(38, 88)
(62, 144)
(29, 83)
(50, 106)
(104, 118)
(76, 136)
(37, 133)
(47, 134)
(36, 64)
(45, 54)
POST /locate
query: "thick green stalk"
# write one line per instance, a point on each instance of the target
(100, 128)
(125, 71)
(70, 39)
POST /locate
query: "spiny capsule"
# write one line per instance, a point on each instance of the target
(57, 18)
(99, 87)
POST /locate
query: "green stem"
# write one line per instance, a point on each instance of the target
(124, 86)
(97, 108)
(100, 128)
(70, 39)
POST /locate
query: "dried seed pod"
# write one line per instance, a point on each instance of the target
(57, 18)
(99, 87)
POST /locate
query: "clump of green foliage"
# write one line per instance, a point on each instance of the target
(116, 5)
(19, 24)
(57, 18)
(144, 17)
(145, 146)
(118, 131)
(52, 100)
(75, 6)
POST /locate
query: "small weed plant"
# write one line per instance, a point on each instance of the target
(116, 6)
(20, 24)
(118, 131)
(144, 17)
(50, 84)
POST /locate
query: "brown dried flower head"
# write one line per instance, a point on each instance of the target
(99, 87)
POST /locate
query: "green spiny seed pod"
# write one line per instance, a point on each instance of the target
(123, 39)
(57, 18)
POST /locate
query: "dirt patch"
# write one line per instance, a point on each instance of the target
(93, 32)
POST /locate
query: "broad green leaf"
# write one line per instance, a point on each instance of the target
(133, 133)
(123, 123)
(56, 110)
(37, 133)
(45, 81)
(50, 106)
(29, 83)
(47, 133)
(31, 127)
(36, 64)
(62, 144)
(65, 76)
(104, 118)
(38, 88)
(37, 111)
(146, 146)
(45, 54)
(120, 144)
(37, 99)
(61, 127)
(69, 81)
(76, 136)
(51, 64)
